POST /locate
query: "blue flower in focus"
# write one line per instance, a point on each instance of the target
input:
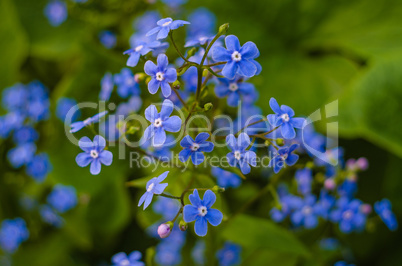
(304, 178)
(307, 214)
(165, 25)
(349, 216)
(50, 216)
(39, 167)
(383, 209)
(226, 179)
(56, 12)
(12, 234)
(77, 126)
(108, 39)
(141, 48)
(94, 154)
(284, 117)
(126, 85)
(160, 122)
(161, 75)
(62, 198)
(200, 211)
(284, 156)
(153, 187)
(64, 105)
(121, 259)
(240, 59)
(229, 254)
(239, 155)
(234, 89)
(195, 148)
(22, 154)
(107, 85)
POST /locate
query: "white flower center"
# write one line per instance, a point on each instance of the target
(87, 121)
(158, 122)
(236, 56)
(233, 87)
(150, 187)
(202, 210)
(285, 117)
(139, 47)
(307, 210)
(166, 23)
(347, 215)
(237, 155)
(160, 76)
(94, 154)
(284, 157)
(195, 147)
(130, 81)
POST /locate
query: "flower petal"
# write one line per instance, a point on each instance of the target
(159, 137)
(83, 159)
(153, 31)
(95, 167)
(203, 136)
(150, 68)
(206, 146)
(177, 24)
(229, 70)
(197, 158)
(209, 199)
(232, 43)
(106, 157)
(85, 144)
(247, 68)
(159, 188)
(167, 109)
(288, 132)
(231, 142)
(190, 213)
(100, 142)
(166, 89)
(171, 75)
(163, 33)
(297, 122)
(148, 200)
(249, 50)
(162, 177)
(243, 141)
(219, 53)
(201, 226)
(187, 142)
(151, 113)
(214, 217)
(195, 198)
(184, 155)
(132, 61)
(172, 124)
(153, 86)
(162, 62)
(275, 106)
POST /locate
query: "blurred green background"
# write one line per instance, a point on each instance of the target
(312, 53)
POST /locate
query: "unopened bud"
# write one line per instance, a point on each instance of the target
(208, 106)
(147, 80)
(362, 163)
(132, 130)
(183, 225)
(218, 189)
(223, 29)
(366, 208)
(191, 52)
(309, 165)
(280, 142)
(164, 230)
(139, 77)
(205, 73)
(176, 84)
(329, 184)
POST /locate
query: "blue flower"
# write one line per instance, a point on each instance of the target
(93, 154)
(198, 252)
(226, 179)
(121, 259)
(198, 41)
(22, 154)
(284, 156)
(56, 12)
(145, 23)
(349, 216)
(141, 48)
(77, 126)
(289, 203)
(12, 234)
(200, 211)
(307, 214)
(15, 97)
(166, 207)
(39, 167)
(168, 252)
(202, 23)
(107, 85)
(195, 148)
(161, 75)
(174, 3)
(229, 254)
(133, 105)
(63, 198)
(160, 122)
(108, 39)
(284, 117)
(64, 105)
(50, 216)
(343, 263)
(234, 89)
(153, 187)
(383, 209)
(325, 204)
(240, 59)
(126, 85)
(239, 155)
(164, 26)
(163, 153)
(304, 178)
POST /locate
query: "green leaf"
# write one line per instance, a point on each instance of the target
(255, 232)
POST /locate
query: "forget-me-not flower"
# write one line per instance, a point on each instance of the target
(284, 156)
(77, 126)
(12, 234)
(107, 85)
(126, 84)
(39, 167)
(56, 12)
(62, 198)
(234, 89)
(108, 39)
(121, 259)
(195, 148)
(239, 155)
(348, 214)
(383, 209)
(229, 254)
(307, 214)
(153, 187)
(226, 179)
(165, 25)
(141, 48)
(64, 105)
(161, 75)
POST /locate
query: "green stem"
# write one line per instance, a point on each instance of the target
(168, 196)
(177, 49)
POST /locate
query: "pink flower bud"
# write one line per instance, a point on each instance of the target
(366, 208)
(351, 164)
(330, 184)
(164, 230)
(362, 163)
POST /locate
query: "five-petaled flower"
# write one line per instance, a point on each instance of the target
(239, 154)
(284, 117)
(165, 25)
(240, 59)
(234, 89)
(121, 259)
(200, 211)
(194, 148)
(161, 75)
(77, 126)
(284, 155)
(141, 49)
(153, 187)
(160, 122)
(94, 154)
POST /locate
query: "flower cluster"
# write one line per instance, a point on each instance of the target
(12, 234)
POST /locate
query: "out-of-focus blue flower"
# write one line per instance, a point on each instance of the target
(62, 198)
(348, 188)
(39, 167)
(64, 105)
(161, 75)
(307, 214)
(284, 156)
(108, 39)
(195, 148)
(50, 216)
(163, 152)
(229, 254)
(226, 179)
(325, 204)
(153, 187)
(349, 216)
(126, 85)
(240, 59)
(15, 97)
(131, 106)
(166, 207)
(121, 259)
(383, 209)
(94, 154)
(174, 3)
(56, 12)
(107, 85)
(288, 204)
(198, 253)
(12, 234)
(160, 122)
(198, 41)
(343, 263)
(190, 79)
(22, 154)
(304, 178)
(165, 25)
(239, 155)
(202, 23)
(329, 243)
(146, 22)
(200, 211)
(77, 126)
(168, 252)
(234, 89)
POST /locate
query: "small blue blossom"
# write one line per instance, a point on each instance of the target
(94, 154)
(383, 209)
(168, 252)
(307, 214)
(126, 85)
(226, 179)
(195, 148)
(288, 203)
(304, 178)
(121, 259)
(199, 41)
(56, 12)
(153, 187)
(62, 198)
(240, 59)
(284, 156)
(202, 23)
(229, 254)
(12, 234)
(325, 204)
(108, 39)
(50, 216)
(131, 106)
(107, 85)
(349, 216)
(15, 97)
(145, 23)
(234, 89)
(239, 155)
(165, 25)
(343, 263)
(161, 75)
(64, 105)
(174, 3)
(200, 211)
(22, 154)
(39, 167)
(141, 48)
(166, 207)
(77, 126)
(284, 117)
(160, 122)
(163, 152)
(198, 252)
